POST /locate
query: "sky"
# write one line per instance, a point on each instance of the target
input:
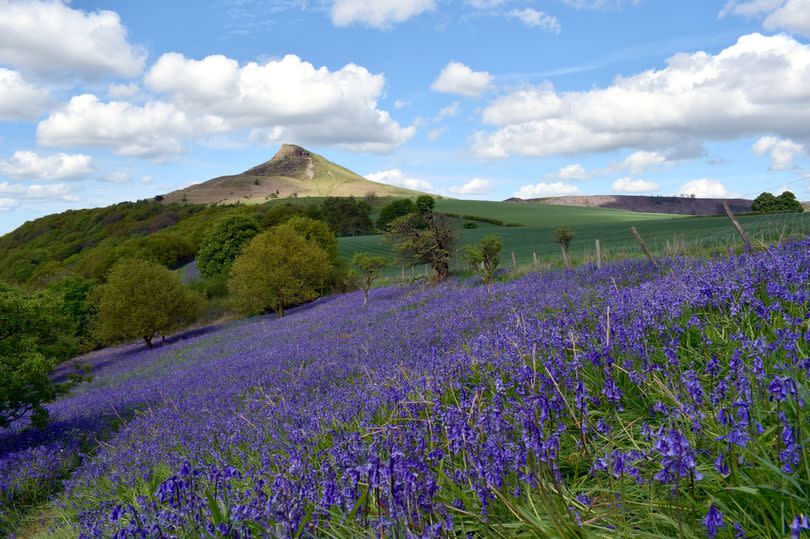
(102, 102)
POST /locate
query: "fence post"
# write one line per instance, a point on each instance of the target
(598, 255)
(740, 231)
(535, 261)
(643, 246)
(514, 260)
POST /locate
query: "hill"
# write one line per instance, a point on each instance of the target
(648, 204)
(293, 172)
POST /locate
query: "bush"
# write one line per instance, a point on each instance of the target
(347, 216)
(470, 225)
(143, 300)
(224, 242)
(278, 268)
(767, 203)
(485, 256)
(33, 337)
(370, 268)
(392, 210)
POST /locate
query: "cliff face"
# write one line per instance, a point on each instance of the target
(290, 160)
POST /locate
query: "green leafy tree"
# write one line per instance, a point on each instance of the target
(370, 269)
(33, 330)
(425, 204)
(392, 210)
(224, 242)
(142, 299)
(317, 232)
(768, 203)
(485, 256)
(347, 216)
(277, 214)
(278, 268)
(425, 237)
(564, 235)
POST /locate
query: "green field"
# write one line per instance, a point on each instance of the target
(665, 234)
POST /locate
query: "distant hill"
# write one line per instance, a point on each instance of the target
(648, 204)
(293, 172)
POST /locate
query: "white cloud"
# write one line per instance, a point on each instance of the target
(398, 178)
(476, 186)
(542, 190)
(61, 166)
(153, 130)
(434, 134)
(54, 191)
(378, 13)
(790, 15)
(123, 91)
(146, 180)
(781, 151)
(758, 84)
(302, 103)
(49, 36)
(485, 4)
(457, 78)
(449, 111)
(705, 188)
(400, 104)
(572, 172)
(639, 162)
(598, 4)
(8, 204)
(630, 185)
(117, 176)
(19, 100)
(536, 19)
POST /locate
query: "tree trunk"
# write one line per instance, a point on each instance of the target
(148, 341)
(280, 310)
(365, 297)
(442, 269)
(564, 250)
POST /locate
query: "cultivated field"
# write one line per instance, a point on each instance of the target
(622, 402)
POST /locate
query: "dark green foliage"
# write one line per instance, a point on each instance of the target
(425, 238)
(77, 306)
(143, 299)
(563, 235)
(392, 210)
(768, 203)
(224, 242)
(277, 214)
(317, 232)
(470, 225)
(277, 269)
(485, 256)
(425, 204)
(370, 268)
(347, 216)
(35, 335)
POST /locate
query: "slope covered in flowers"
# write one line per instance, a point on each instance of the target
(624, 401)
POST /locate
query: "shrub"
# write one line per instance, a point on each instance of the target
(143, 300)
(223, 243)
(767, 203)
(347, 216)
(278, 268)
(370, 268)
(485, 256)
(392, 210)
(470, 225)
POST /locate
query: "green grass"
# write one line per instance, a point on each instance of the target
(665, 235)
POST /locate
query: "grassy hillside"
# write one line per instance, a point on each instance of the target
(292, 172)
(665, 234)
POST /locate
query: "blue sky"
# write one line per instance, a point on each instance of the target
(108, 101)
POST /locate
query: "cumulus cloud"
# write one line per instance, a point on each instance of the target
(123, 91)
(55, 191)
(705, 188)
(476, 186)
(399, 179)
(278, 101)
(598, 4)
(61, 166)
(535, 19)
(639, 162)
(19, 100)
(153, 130)
(758, 84)
(781, 151)
(457, 78)
(542, 190)
(630, 185)
(449, 111)
(378, 13)
(570, 172)
(8, 204)
(301, 102)
(790, 15)
(50, 36)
